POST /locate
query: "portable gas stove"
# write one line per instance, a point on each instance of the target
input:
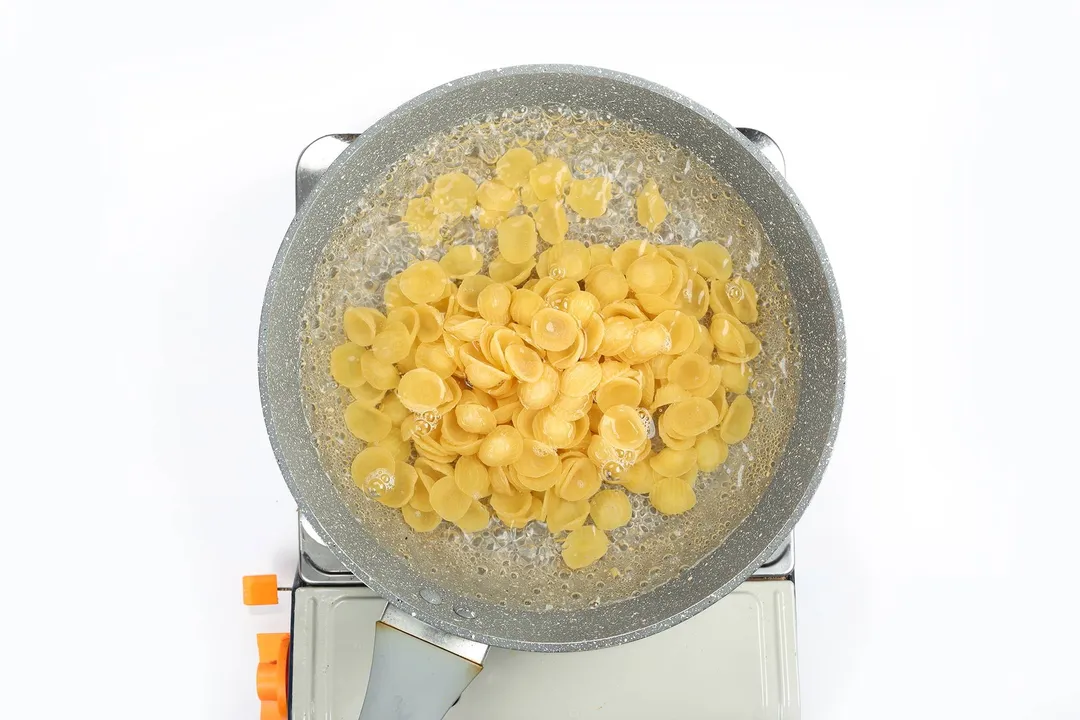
(735, 660)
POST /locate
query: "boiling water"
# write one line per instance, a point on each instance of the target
(521, 568)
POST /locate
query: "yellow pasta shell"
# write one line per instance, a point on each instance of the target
(517, 238)
(735, 376)
(378, 373)
(579, 479)
(607, 283)
(448, 500)
(423, 282)
(468, 293)
(562, 515)
(475, 418)
(502, 447)
(581, 379)
(584, 546)
(494, 304)
(690, 371)
(496, 197)
(537, 459)
(673, 463)
(433, 356)
(429, 323)
(366, 423)
(737, 420)
(420, 499)
(649, 275)
(690, 418)
(361, 324)
(462, 261)
(419, 520)
(367, 394)
(716, 260)
(589, 198)
(421, 390)
(622, 428)
(503, 271)
(672, 496)
(618, 332)
(454, 194)
(553, 329)
(524, 363)
(618, 391)
(475, 519)
(513, 168)
(551, 222)
(549, 179)
(552, 430)
(512, 505)
(711, 451)
(471, 477)
(392, 343)
(346, 364)
(524, 304)
(610, 509)
(651, 208)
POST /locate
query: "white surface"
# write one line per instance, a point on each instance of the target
(147, 180)
(751, 674)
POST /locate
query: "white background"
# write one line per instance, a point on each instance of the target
(147, 180)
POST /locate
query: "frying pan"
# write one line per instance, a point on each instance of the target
(432, 640)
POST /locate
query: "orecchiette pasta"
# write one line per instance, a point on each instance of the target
(532, 392)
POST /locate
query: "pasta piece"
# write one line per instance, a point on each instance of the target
(584, 546)
(618, 391)
(589, 198)
(503, 446)
(419, 520)
(622, 427)
(367, 423)
(422, 218)
(610, 509)
(378, 373)
(711, 451)
(471, 477)
(517, 238)
(549, 179)
(714, 260)
(454, 194)
(606, 283)
(513, 168)
(551, 222)
(475, 418)
(542, 393)
(346, 365)
(423, 282)
(553, 329)
(649, 275)
(690, 418)
(579, 479)
(672, 496)
(737, 420)
(447, 499)
(689, 371)
(475, 519)
(524, 363)
(673, 463)
(493, 303)
(421, 390)
(361, 324)
(462, 261)
(651, 208)
(563, 515)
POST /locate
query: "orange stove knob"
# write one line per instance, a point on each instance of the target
(260, 590)
(272, 675)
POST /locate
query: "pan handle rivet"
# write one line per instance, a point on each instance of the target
(465, 612)
(431, 596)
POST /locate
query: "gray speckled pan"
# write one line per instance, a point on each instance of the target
(813, 294)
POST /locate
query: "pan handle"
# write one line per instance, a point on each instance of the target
(418, 672)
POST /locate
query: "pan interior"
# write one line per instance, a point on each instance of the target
(398, 568)
(520, 569)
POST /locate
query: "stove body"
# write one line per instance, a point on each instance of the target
(736, 660)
